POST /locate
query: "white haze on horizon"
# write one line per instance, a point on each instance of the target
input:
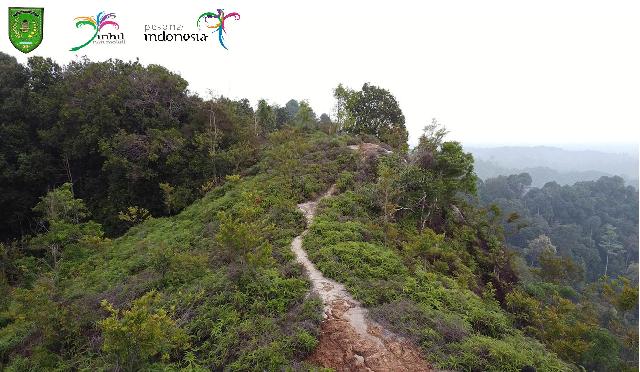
(494, 72)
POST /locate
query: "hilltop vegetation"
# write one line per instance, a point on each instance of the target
(125, 135)
(424, 273)
(146, 228)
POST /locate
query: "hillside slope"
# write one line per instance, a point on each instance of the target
(213, 287)
(412, 272)
(217, 286)
(425, 296)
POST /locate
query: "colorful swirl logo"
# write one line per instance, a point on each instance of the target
(97, 23)
(221, 17)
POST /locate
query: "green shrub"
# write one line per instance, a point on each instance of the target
(346, 181)
(487, 322)
(482, 353)
(603, 353)
(427, 327)
(524, 308)
(13, 335)
(132, 337)
(304, 342)
(18, 364)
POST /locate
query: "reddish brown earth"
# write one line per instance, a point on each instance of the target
(349, 340)
(343, 348)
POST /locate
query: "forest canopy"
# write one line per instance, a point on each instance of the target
(595, 223)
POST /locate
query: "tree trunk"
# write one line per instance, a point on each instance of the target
(69, 176)
(255, 124)
(213, 140)
(54, 254)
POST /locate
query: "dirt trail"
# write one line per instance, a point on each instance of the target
(350, 341)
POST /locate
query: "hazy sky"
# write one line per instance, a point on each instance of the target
(498, 72)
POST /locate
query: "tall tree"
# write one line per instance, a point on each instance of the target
(538, 246)
(305, 115)
(342, 96)
(291, 108)
(373, 111)
(326, 124)
(610, 245)
(266, 117)
(438, 171)
(63, 223)
(27, 167)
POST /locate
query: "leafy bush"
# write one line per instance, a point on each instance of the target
(345, 181)
(132, 337)
(489, 323)
(482, 353)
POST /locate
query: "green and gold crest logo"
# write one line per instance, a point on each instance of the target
(25, 28)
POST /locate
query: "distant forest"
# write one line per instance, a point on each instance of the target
(546, 164)
(593, 223)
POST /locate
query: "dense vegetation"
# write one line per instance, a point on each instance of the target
(125, 135)
(145, 228)
(371, 111)
(580, 240)
(431, 267)
(539, 175)
(93, 149)
(214, 286)
(594, 223)
(407, 240)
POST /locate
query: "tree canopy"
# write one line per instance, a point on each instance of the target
(371, 110)
(118, 131)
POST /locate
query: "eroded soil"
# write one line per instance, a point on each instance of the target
(349, 340)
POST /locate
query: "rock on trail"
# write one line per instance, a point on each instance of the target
(349, 340)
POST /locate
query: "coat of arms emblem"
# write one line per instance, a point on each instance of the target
(25, 28)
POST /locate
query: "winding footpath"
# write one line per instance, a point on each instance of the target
(349, 340)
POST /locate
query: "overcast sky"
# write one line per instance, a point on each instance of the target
(494, 72)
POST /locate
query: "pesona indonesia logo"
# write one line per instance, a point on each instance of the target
(171, 33)
(98, 23)
(217, 23)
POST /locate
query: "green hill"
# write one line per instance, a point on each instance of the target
(145, 228)
(216, 286)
